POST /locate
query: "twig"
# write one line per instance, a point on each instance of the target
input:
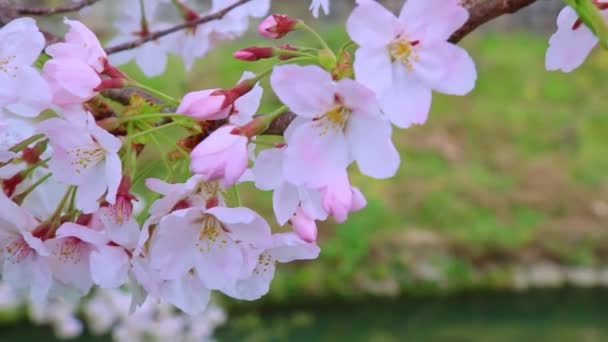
(482, 11)
(155, 35)
(54, 10)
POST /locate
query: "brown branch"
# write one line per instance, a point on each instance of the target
(54, 10)
(482, 11)
(155, 35)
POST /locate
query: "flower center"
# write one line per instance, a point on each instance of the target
(403, 50)
(85, 157)
(17, 250)
(265, 261)
(336, 118)
(70, 250)
(7, 67)
(211, 234)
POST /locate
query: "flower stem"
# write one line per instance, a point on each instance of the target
(315, 34)
(151, 130)
(170, 100)
(21, 197)
(25, 143)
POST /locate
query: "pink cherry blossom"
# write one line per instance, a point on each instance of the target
(340, 199)
(340, 122)
(286, 247)
(277, 26)
(217, 104)
(236, 22)
(23, 256)
(221, 156)
(70, 255)
(213, 242)
(403, 59)
(72, 81)
(80, 44)
(20, 45)
(304, 226)
(268, 174)
(87, 156)
(194, 193)
(570, 45)
(150, 57)
(318, 4)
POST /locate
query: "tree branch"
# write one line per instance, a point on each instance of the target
(482, 11)
(155, 35)
(54, 10)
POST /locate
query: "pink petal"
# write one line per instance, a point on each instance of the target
(307, 90)
(373, 67)
(109, 267)
(375, 154)
(285, 200)
(408, 102)
(313, 158)
(433, 20)
(569, 48)
(371, 25)
(289, 247)
(447, 68)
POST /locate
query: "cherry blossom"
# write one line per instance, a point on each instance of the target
(81, 256)
(80, 44)
(304, 226)
(221, 156)
(20, 45)
(212, 241)
(340, 199)
(150, 57)
(239, 103)
(87, 157)
(341, 122)
(403, 59)
(268, 174)
(286, 247)
(195, 192)
(570, 45)
(23, 255)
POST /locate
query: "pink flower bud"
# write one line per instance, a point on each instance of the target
(221, 156)
(254, 53)
(71, 81)
(304, 226)
(204, 105)
(277, 26)
(340, 198)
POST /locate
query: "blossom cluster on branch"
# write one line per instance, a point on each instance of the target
(70, 175)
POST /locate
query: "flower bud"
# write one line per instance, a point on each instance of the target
(304, 226)
(203, 105)
(221, 156)
(254, 53)
(277, 26)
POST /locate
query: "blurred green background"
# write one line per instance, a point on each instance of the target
(494, 229)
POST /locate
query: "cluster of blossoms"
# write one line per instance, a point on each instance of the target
(139, 19)
(69, 176)
(107, 312)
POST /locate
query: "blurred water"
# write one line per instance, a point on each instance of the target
(560, 315)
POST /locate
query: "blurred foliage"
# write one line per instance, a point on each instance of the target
(513, 174)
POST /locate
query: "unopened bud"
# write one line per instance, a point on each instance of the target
(254, 53)
(277, 26)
